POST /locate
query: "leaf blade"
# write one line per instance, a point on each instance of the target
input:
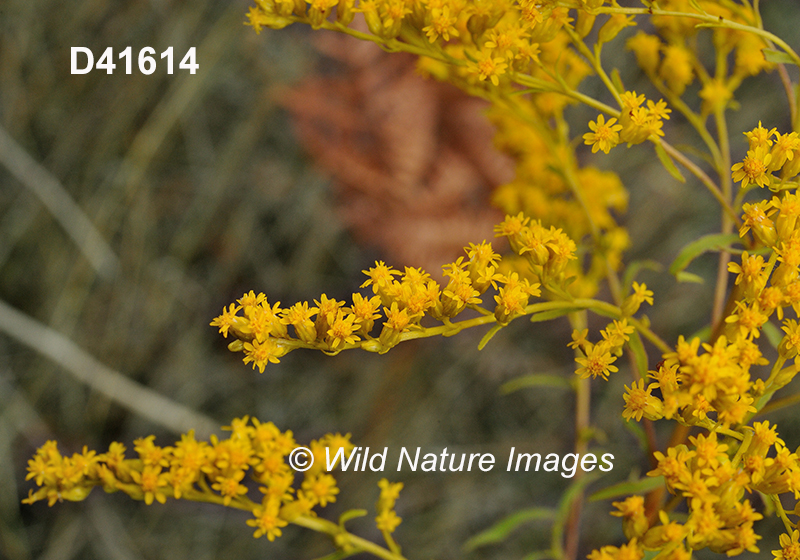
(500, 530)
(668, 164)
(710, 242)
(627, 488)
(535, 380)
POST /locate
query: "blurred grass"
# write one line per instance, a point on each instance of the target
(202, 193)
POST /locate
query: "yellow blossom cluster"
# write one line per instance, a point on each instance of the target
(550, 186)
(773, 160)
(713, 478)
(265, 332)
(710, 385)
(636, 123)
(528, 58)
(474, 43)
(205, 471)
(672, 62)
(387, 520)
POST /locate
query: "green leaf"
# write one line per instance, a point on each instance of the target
(535, 380)
(351, 514)
(339, 555)
(633, 270)
(500, 530)
(650, 554)
(639, 353)
(564, 506)
(638, 433)
(553, 313)
(617, 80)
(704, 334)
(777, 57)
(773, 334)
(697, 6)
(668, 164)
(711, 242)
(641, 486)
(489, 335)
(539, 554)
(684, 276)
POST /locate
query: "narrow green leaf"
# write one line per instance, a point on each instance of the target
(777, 57)
(684, 276)
(641, 486)
(535, 380)
(616, 79)
(668, 164)
(650, 554)
(564, 506)
(633, 269)
(489, 335)
(351, 514)
(773, 334)
(637, 431)
(539, 555)
(639, 353)
(785, 402)
(704, 333)
(697, 6)
(553, 313)
(500, 530)
(339, 555)
(708, 25)
(711, 242)
(604, 313)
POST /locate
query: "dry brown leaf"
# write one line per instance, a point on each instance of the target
(412, 159)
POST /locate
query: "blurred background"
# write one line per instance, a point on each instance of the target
(133, 207)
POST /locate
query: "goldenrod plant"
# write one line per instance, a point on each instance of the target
(723, 469)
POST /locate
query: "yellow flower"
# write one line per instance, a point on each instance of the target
(226, 320)
(604, 135)
(646, 48)
(753, 169)
(597, 362)
(152, 482)
(676, 68)
(266, 520)
(229, 487)
(322, 487)
(639, 402)
(715, 95)
(342, 330)
(488, 67)
(790, 548)
(442, 24)
(387, 521)
(262, 353)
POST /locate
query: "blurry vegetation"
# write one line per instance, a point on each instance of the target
(202, 192)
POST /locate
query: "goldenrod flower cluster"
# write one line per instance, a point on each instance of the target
(265, 332)
(387, 519)
(772, 160)
(637, 123)
(709, 385)
(713, 478)
(474, 43)
(552, 187)
(528, 58)
(205, 471)
(672, 61)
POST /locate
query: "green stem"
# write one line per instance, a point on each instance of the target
(332, 529)
(583, 394)
(702, 175)
(715, 21)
